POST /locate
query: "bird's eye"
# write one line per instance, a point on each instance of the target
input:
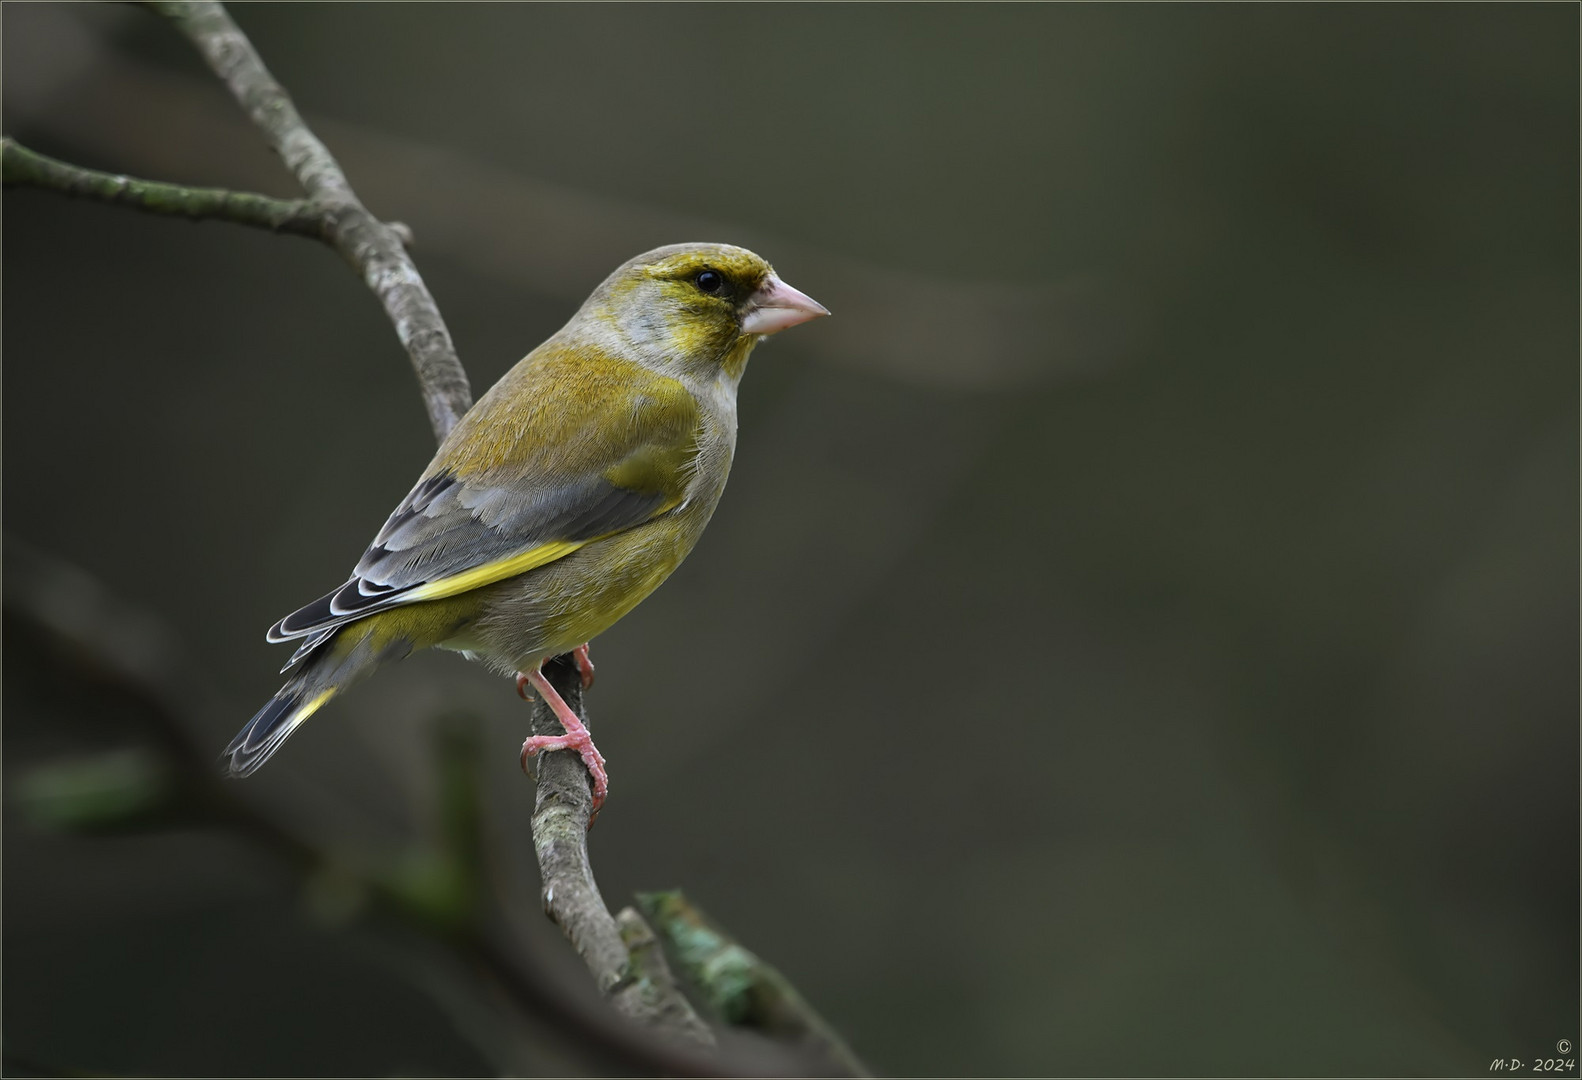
(710, 281)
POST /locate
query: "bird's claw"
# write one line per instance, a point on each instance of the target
(576, 737)
(582, 743)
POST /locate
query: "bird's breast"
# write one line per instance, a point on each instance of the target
(714, 446)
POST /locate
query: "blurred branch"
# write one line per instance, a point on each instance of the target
(120, 789)
(22, 167)
(741, 989)
(371, 246)
(132, 650)
(653, 979)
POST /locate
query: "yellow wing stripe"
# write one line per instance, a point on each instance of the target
(489, 573)
(510, 566)
(305, 711)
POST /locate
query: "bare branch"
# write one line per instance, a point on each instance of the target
(571, 897)
(21, 167)
(372, 247)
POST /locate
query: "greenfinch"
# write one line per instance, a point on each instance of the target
(564, 497)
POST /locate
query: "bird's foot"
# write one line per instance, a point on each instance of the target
(577, 737)
(584, 665)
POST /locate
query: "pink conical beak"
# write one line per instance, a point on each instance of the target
(776, 306)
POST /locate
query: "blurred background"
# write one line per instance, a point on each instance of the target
(1141, 632)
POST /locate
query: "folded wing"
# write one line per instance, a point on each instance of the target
(624, 461)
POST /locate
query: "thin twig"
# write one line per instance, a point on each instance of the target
(371, 246)
(21, 167)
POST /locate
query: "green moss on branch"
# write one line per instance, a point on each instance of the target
(741, 989)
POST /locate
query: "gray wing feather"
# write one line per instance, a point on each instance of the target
(444, 527)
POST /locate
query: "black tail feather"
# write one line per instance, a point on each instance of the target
(271, 727)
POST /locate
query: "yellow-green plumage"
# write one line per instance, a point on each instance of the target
(565, 496)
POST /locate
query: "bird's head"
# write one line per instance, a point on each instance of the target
(696, 307)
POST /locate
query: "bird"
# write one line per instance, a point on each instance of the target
(557, 503)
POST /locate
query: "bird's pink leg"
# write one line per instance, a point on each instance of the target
(584, 669)
(584, 665)
(577, 737)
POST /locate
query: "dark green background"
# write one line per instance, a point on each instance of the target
(1141, 634)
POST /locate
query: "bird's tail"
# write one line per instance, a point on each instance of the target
(349, 656)
(273, 725)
